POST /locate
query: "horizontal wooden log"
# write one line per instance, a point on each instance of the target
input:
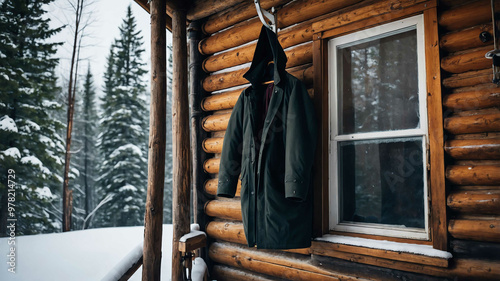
(212, 145)
(281, 265)
(478, 230)
(226, 273)
(211, 187)
(477, 99)
(466, 15)
(225, 80)
(211, 165)
(227, 231)
(216, 122)
(302, 10)
(464, 268)
(453, 3)
(236, 14)
(473, 60)
(361, 12)
(470, 78)
(220, 101)
(248, 31)
(235, 78)
(475, 249)
(475, 202)
(473, 124)
(296, 56)
(227, 100)
(466, 39)
(475, 149)
(320, 248)
(224, 209)
(234, 232)
(204, 8)
(473, 175)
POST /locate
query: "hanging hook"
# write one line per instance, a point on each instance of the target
(267, 19)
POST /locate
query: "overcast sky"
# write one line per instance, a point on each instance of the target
(105, 18)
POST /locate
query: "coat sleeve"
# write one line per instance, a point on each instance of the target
(230, 162)
(301, 131)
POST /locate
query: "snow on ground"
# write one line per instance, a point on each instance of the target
(80, 255)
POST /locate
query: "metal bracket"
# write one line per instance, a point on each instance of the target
(267, 19)
(495, 53)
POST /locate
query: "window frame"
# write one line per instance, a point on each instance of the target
(381, 31)
(350, 21)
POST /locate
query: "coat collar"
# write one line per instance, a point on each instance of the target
(268, 49)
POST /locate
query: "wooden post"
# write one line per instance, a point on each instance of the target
(180, 139)
(153, 220)
(198, 155)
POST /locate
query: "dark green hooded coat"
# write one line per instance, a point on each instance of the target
(276, 189)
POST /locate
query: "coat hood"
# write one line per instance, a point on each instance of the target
(268, 49)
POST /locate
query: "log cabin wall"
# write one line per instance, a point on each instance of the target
(471, 105)
(472, 141)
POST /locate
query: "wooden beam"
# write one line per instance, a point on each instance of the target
(153, 220)
(225, 209)
(180, 140)
(475, 229)
(204, 8)
(126, 276)
(436, 137)
(192, 241)
(196, 113)
(168, 19)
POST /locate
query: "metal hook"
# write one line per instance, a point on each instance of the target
(265, 16)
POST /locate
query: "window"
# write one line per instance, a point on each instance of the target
(378, 131)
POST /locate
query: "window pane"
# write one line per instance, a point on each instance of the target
(381, 181)
(378, 84)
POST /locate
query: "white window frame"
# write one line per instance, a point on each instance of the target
(415, 22)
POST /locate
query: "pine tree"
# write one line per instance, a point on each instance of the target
(29, 140)
(85, 158)
(123, 141)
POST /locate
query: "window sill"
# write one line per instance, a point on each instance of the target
(377, 252)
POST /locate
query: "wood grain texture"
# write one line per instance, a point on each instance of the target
(479, 123)
(181, 172)
(475, 99)
(274, 263)
(467, 61)
(473, 149)
(478, 230)
(468, 79)
(436, 136)
(248, 31)
(473, 175)
(322, 248)
(224, 209)
(227, 80)
(466, 39)
(153, 219)
(211, 187)
(236, 14)
(467, 15)
(475, 202)
(211, 165)
(295, 56)
(226, 273)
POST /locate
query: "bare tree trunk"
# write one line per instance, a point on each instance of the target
(67, 192)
